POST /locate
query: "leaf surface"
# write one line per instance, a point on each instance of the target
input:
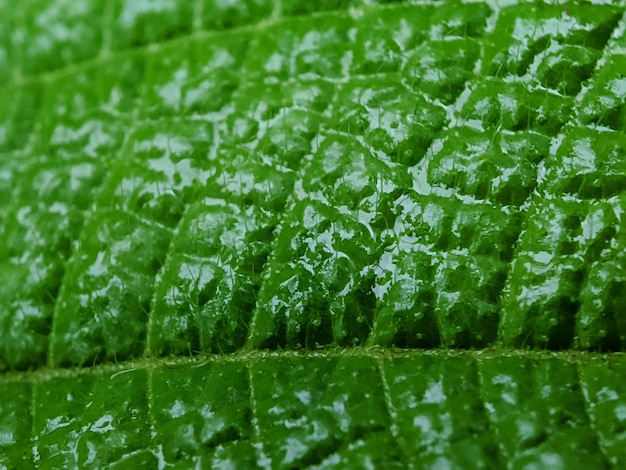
(339, 234)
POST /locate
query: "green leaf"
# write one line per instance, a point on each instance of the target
(336, 234)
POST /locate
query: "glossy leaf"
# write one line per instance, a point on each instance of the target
(291, 234)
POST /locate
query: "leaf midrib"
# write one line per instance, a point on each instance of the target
(45, 374)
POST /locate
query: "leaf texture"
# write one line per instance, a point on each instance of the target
(336, 234)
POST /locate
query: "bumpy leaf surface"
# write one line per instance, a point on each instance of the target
(294, 234)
